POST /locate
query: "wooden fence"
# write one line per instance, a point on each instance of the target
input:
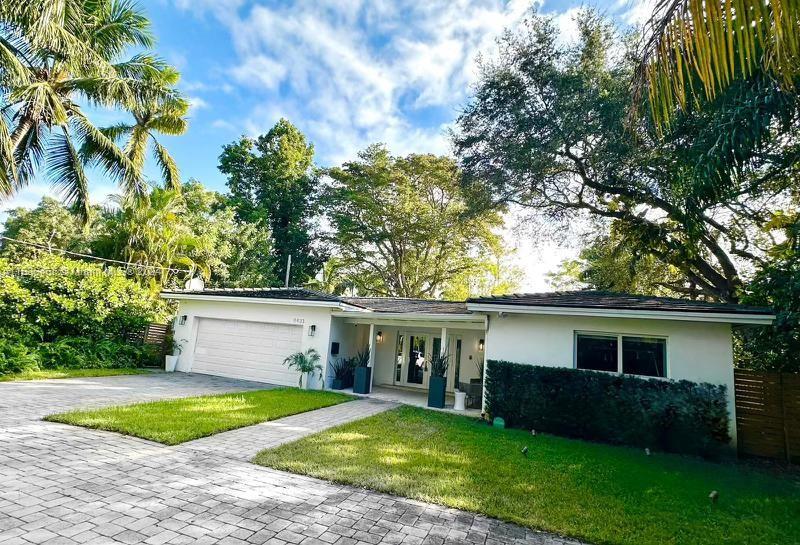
(150, 334)
(768, 414)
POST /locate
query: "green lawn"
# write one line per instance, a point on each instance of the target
(179, 420)
(70, 373)
(599, 493)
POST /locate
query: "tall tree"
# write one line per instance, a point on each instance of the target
(55, 55)
(547, 130)
(237, 253)
(401, 226)
(50, 226)
(272, 181)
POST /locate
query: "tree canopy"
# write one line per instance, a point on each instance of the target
(547, 130)
(272, 182)
(401, 225)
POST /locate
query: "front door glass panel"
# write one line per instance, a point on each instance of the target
(416, 359)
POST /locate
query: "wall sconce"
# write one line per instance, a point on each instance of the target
(379, 337)
(480, 345)
(311, 330)
(182, 320)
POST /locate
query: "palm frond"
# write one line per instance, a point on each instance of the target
(65, 170)
(171, 124)
(108, 156)
(8, 167)
(12, 70)
(168, 166)
(695, 46)
(29, 154)
(116, 25)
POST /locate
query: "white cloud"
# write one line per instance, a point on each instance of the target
(356, 72)
(197, 103)
(259, 71)
(221, 124)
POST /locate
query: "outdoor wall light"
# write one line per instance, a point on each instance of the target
(182, 320)
(379, 337)
(311, 330)
(480, 345)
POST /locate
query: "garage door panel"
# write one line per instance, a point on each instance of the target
(246, 350)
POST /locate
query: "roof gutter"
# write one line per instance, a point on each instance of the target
(257, 300)
(719, 317)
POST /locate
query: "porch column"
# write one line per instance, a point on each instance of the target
(443, 348)
(372, 348)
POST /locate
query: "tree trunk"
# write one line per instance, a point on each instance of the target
(20, 132)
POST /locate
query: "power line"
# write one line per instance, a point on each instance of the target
(88, 256)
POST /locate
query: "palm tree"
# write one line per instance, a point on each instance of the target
(166, 117)
(697, 46)
(54, 56)
(305, 363)
(150, 234)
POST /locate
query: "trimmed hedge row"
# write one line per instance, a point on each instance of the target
(674, 416)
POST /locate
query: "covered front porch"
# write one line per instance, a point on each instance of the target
(401, 348)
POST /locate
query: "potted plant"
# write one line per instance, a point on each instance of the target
(437, 383)
(342, 373)
(363, 373)
(305, 363)
(171, 360)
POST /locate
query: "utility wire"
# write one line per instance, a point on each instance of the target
(88, 256)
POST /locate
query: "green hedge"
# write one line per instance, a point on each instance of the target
(675, 416)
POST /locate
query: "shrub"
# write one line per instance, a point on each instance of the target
(52, 297)
(675, 416)
(16, 357)
(84, 353)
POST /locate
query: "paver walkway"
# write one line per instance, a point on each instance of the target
(64, 485)
(245, 443)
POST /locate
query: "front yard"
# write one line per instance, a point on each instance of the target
(596, 492)
(71, 373)
(176, 421)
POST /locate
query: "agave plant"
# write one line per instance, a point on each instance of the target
(305, 363)
(361, 359)
(439, 364)
(342, 368)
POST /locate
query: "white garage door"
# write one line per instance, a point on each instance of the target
(246, 350)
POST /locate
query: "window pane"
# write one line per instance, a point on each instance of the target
(597, 352)
(644, 356)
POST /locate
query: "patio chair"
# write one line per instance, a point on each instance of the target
(474, 391)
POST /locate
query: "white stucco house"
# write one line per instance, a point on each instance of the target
(247, 334)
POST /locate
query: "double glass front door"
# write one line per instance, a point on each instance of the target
(413, 355)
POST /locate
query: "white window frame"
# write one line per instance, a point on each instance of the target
(619, 337)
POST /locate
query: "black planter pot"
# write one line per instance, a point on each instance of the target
(338, 384)
(436, 389)
(361, 381)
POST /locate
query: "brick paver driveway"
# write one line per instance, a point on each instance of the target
(63, 484)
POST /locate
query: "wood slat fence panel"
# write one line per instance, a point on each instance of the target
(768, 414)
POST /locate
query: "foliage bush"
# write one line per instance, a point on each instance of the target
(51, 297)
(675, 416)
(59, 313)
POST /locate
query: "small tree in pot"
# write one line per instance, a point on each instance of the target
(305, 363)
(363, 373)
(437, 384)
